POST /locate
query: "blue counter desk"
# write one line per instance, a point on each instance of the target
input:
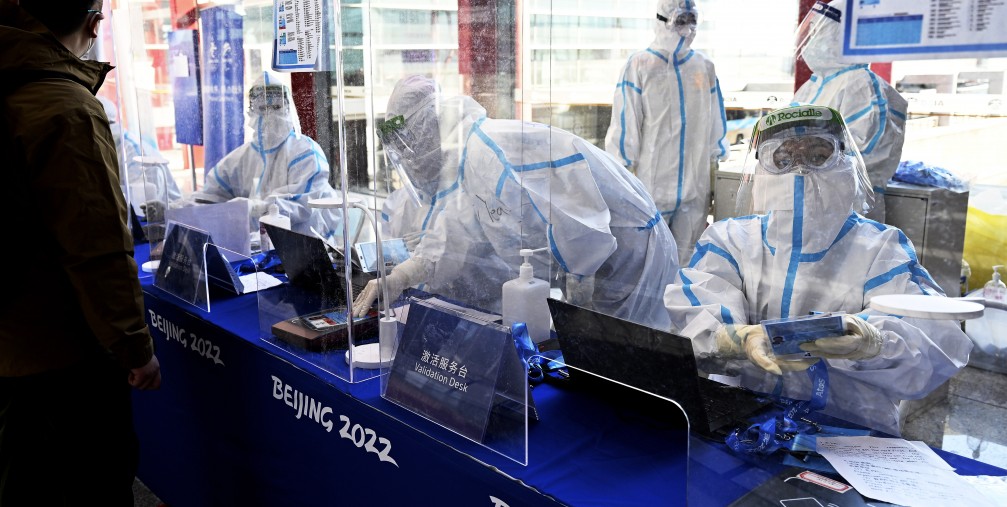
(221, 431)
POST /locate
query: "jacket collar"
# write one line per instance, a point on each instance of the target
(30, 52)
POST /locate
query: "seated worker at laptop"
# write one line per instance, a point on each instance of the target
(809, 250)
(279, 165)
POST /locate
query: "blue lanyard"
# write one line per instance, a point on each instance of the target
(779, 428)
(538, 364)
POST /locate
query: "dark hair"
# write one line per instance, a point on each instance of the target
(61, 17)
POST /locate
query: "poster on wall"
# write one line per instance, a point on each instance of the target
(183, 65)
(887, 30)
(297, 34)
(223, 83)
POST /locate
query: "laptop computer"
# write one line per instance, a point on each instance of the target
(655, 361)
(227, 222)
(307, 265)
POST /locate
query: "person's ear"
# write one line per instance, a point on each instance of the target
(92, 27)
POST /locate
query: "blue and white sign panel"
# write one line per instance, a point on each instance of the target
(297, 34)
(223, 83)
(887, 30)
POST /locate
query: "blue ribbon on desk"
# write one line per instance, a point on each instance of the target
(530, 356)
(259, 262)
(781, 426)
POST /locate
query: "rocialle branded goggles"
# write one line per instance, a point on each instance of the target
(814, 152)
(809, 138)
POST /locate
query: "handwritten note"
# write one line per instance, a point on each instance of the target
(896, 471)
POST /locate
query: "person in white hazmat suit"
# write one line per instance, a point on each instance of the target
(874, 111)
(151, 181)
(403, 217)
(503, 185)
(806, 250)
(668, 122)
(280, 165)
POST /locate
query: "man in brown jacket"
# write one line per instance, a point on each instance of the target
(72, 332)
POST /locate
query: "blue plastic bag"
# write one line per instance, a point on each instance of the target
(918, 173)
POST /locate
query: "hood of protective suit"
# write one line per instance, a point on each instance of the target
(666, 37)
(271, 127)
(438, 128)
(823, 51)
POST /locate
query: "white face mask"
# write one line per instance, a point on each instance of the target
(827, 197)
(270, 130)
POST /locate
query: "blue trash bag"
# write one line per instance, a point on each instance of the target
(919, 173)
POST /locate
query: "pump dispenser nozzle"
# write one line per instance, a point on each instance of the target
(525, 271)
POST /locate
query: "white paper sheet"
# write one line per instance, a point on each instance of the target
(257, 281)
(896, 471)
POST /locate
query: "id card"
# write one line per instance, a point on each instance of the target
(787, 335)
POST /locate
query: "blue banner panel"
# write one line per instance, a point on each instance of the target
(224, 81)
(183, 64)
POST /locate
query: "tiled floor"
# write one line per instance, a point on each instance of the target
(971, 419)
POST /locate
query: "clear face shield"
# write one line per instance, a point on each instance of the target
(821, 21)
(397, 141)
(808, 141)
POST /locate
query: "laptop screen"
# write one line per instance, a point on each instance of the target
(649, 359)
(307, 264)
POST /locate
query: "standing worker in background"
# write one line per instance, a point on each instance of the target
(150, 181)
(668, 123)
(280, 165)
(805, 248)
(73, 340)
(498, 186)
(874, 111)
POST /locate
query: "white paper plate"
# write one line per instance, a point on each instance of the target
(927, 307)
(150, 266)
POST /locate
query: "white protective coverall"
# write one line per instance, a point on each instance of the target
(668, 122)
(504, 185)
(808, 252)
(279, 165)
(874, 111)
(151, 181)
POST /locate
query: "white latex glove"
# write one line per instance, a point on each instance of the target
(154, 211)
(184, 202)
(861, 341)
(580, 291)
(750, 342)
(403, 276)
(412, 239)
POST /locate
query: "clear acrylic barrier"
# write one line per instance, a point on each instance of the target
(646, 439)
(182, 269)
(459, 368)
(195, 270)
(309, 319)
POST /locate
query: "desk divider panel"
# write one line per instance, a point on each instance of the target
(460, 368)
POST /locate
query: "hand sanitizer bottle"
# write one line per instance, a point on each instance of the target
(272, 217)
(995, 289)
(524, 300)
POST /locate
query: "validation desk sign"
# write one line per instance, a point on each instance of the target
(447, 368)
